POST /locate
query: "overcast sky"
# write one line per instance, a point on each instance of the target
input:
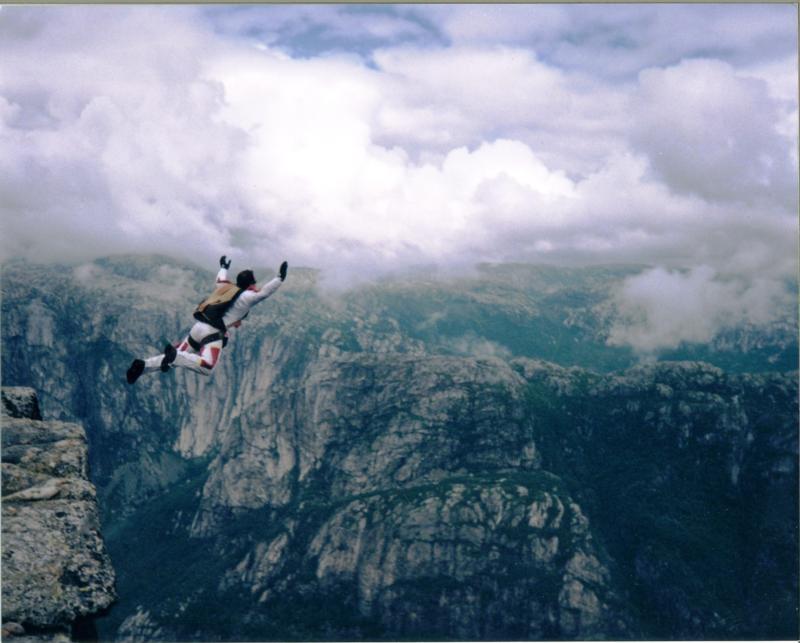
(361, 139)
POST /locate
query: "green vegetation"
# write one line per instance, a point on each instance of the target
(150, 554)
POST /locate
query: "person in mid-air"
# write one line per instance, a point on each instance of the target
(225, 308)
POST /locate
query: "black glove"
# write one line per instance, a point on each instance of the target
(284, 268)
(223, 263)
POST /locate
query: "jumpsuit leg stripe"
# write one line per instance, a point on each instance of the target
(209, 355)
(187, 357)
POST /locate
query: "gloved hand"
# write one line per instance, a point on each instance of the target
(223, 263)
(284, 268)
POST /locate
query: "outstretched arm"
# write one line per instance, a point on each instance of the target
(222, 275)
(271, 286)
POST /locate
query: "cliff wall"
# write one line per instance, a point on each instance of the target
(56, 571)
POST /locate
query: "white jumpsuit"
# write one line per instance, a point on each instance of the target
(204, 361)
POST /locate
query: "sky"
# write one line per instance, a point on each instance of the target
(371, 139)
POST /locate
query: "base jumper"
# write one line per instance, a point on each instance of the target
(225, 308)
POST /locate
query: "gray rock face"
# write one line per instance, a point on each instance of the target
(55, 565)
(433, 514)
(140, 627)
(475, 561)
(357, 424)
(681, 465)
(20, 402)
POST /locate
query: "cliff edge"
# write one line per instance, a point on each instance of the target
(56, 571)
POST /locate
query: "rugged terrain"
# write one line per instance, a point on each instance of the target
(431, 459)
(57, 574)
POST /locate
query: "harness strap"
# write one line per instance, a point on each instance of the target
(213, 337)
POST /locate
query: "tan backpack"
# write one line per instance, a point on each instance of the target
(213, 308)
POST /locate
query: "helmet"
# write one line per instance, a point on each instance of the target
(245, 279)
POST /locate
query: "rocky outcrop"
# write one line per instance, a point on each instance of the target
(510, 558)
(357, 423)
(687, 471)
(20, 402)
(55, 567)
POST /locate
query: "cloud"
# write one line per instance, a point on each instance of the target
(710, 132)
(474, 346)
(617, 41)
(440, 98)
(166, 129)
(603, 40)
(110, 146)
(305, 31)
(488, 23)
(660, 309)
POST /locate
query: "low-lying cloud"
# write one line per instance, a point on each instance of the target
(661, 309)
(479, 347)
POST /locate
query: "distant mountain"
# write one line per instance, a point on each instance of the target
(423, 459)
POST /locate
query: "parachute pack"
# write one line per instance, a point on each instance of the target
(212, 309)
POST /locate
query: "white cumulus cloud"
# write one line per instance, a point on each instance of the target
(708, 131)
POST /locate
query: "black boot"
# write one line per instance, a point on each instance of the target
(135, 370)
(170, 353)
